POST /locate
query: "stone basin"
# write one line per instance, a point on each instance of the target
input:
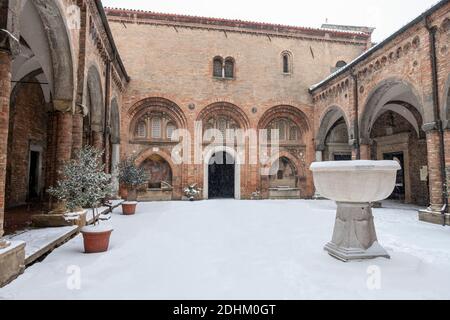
(354, 185)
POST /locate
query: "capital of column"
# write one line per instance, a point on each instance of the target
(63, 105)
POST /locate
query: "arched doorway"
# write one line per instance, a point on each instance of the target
(222, 172)
(221, 176)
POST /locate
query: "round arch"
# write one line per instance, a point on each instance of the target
(388, 93)
(227, 109)
(43, 26)
(176, 169)
(288, 111)
(115, 121)
(156, 104)
(445, 113)
(237, 169)
(94, 99)
(328, 119)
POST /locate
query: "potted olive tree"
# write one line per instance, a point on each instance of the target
(84, 185)
(131, 176)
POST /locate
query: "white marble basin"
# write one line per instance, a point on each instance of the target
(353, 185)
(355, 181)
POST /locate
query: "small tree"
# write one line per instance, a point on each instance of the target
(85, 183)
(130, 175)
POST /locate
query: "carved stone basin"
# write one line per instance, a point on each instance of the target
(353, 185)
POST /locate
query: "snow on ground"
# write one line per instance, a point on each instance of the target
(243, 250)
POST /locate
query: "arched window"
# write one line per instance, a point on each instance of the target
(341, 64)
(287, 129)
(229, 68)
(156, 128)
(141, 131)
(287, 62)
(169, 130)
(218, 67)
(293, 133)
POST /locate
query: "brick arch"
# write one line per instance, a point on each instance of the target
(94, 98)
(385, 93)
(176, 169)
(286, 111)
(327, 120)
(157, 104)
(227, 109)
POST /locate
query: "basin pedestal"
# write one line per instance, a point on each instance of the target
(354, 236)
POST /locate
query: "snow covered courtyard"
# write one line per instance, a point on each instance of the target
(243, 250)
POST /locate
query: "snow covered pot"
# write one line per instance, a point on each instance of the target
(84, 185)
(131, 177)
(354, 185)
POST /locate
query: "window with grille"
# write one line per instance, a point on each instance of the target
(218, 68)
(141, 131)
(286, 63)
(229, 68)
(169, 130)
(156, 128)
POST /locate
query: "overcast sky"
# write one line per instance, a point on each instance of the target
(386, 15)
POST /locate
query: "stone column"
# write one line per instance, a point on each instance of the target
(115, 159)
(77, 131)
(319, 158)
(5, 85)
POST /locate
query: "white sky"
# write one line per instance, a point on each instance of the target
(386, 15)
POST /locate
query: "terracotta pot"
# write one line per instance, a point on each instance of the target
(129, 208)
(96, 241)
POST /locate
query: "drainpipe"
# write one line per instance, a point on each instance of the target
(437, 112)
(356, 109)
(106, 116)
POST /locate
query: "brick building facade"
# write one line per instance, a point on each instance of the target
(64, 85)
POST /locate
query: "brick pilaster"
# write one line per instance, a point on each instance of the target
(365, 151)
(5, 85)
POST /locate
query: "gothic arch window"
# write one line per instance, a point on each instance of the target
(229, 68)
(293, 133)
(218, 67)
(286, 61)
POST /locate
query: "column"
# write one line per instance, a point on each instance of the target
(63, 141)
(434, 171)
(115, 159)
(77, 131)
(365, 151)
(97, 140)
(5, 85)
(319, 158)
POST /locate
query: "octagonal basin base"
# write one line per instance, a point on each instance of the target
(354, 236)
